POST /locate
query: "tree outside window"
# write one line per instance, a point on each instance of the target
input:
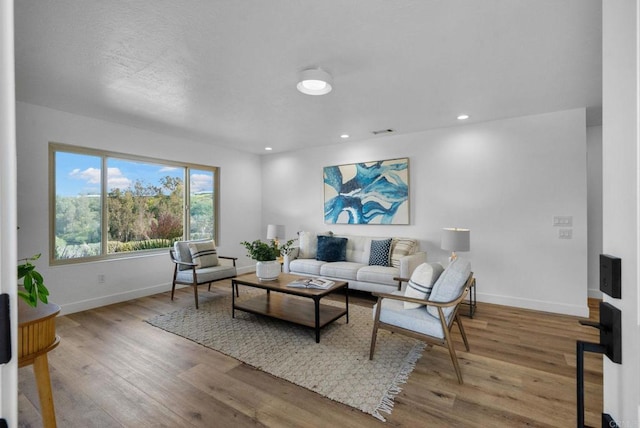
(109, 204)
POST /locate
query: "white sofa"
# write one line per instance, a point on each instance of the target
(356, 268)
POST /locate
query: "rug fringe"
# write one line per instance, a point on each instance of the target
(386, 403)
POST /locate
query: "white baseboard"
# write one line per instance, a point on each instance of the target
(594, 293)
(83, 305)
(537, 305)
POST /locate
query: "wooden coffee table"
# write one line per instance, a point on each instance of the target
(297, 305)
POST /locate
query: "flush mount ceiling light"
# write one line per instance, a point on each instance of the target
(463, 117)
(314, 81)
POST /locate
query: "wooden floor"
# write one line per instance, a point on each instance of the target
(114, 370)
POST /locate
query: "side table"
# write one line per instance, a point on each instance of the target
(36, 337)
(472, 299)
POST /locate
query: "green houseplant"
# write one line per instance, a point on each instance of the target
(261, 251)
(264, 251)
(33, 288)
(266, 254)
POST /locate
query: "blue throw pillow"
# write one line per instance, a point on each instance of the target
(332, 249)
(379, 255)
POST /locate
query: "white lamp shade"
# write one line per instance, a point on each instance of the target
(275, 231)
(314, 81)
(454, 239)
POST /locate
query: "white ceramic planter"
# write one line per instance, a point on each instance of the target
(267, 271)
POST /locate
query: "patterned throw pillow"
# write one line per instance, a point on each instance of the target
(421, 283)
(204, 254)
(332, 249)
(379, 255)
(401, 247)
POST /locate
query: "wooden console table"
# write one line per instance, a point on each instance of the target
(36, 337)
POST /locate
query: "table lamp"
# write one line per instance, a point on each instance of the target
(455, 239)
(275, 231)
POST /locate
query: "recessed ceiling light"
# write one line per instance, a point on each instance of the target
(314, 81)
(463, 117)
(344, 136)
(268, 148)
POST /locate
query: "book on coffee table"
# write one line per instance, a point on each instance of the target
(320, 283)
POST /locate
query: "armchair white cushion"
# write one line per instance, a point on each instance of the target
(420, 322)
(203, 267)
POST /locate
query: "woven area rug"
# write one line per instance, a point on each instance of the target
(338, 367)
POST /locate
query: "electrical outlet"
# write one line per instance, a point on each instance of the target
(565, 233)
(101, 278)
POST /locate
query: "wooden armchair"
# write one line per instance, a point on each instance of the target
(196, 263)
(433, 321)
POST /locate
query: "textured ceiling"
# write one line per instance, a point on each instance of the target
(225, 72)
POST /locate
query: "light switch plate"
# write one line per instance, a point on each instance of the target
(563, 220)
(565, 233)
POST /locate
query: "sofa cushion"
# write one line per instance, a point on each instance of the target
(449, 286)
(401, 247)
(419, 320)
(308, 243)
(203, 254)
(342, 270)
(379, 255)
(358, 248)
(378, 274)
(421, 283)
(332, 249)
(306, 266)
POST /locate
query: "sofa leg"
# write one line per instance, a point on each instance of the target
(195, 294)
(173, 290)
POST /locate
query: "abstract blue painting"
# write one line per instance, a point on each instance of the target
(367, 193)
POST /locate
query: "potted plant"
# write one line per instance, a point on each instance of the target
(266, 254)
(32, 287)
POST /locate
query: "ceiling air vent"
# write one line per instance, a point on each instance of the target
(382, 131)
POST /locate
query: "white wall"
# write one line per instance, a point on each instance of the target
(594, 209)
(8, 280)
(621, 190)
(75, 287)
(505, 180)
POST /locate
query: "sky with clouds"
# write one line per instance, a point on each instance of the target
(79, 174)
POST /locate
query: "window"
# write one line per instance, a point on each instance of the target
(111, 204)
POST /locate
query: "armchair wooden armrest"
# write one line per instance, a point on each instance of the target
(229, 258)
(191, 265)
(400, 281)
(421, 301)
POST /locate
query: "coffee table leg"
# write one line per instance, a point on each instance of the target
(234, 287)
(346, 300)
(317, 305)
